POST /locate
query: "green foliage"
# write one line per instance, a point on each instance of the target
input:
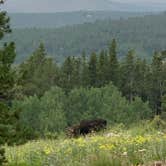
(164, 103)
(55, 110)
(43, 115)
(144, 34)
(30, 112)
(113, 68)
(138, 110)
(102, 69)
(75, 105)
(61, 19)
(92, 70)
(52, 97)
(158, 82)
(133, 76)
(4, 23)
(141, 78)
(8, 121)
(128, 75)
(7, 56)
(103, 159)
(114, 106)
(109, 149)
(37, 74)
(52, 117)
(70, 73)
(107, 103)
(158, 123)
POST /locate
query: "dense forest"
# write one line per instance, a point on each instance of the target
(144, 34)
(42, 95)
(53, 96)
(59, 19)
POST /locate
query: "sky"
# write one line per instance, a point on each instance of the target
(51, 6)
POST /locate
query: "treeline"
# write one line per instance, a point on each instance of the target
(131, 75)
(41, 96)
(53, 96)
(52, 20)
(55, 110)
(144, 34)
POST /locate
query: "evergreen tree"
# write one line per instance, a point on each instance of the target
(141, 72)
(76, 72)
(84, 71)
(102, 69)
(157, 86)
(7, 56)
(66, 74)
(93, 70)
(113, 63)
(163, 106)
(127, 76)
(38, 73)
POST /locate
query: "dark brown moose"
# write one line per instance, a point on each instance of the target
(85, 127)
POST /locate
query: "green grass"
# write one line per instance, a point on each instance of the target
(114, 147)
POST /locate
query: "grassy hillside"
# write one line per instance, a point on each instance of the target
(115, 147)
(144, 34)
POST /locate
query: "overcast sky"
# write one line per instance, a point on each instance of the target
(75, 5)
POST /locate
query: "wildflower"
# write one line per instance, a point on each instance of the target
(140, 140)
(124, 154)
(142, 150)
(107, 147)
(124, 149)
(47, 150)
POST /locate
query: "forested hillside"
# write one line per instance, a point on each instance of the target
(125, 91)
(144, 34)
(52, 20)
(92, 77)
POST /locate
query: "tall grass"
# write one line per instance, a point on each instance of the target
(113, 148)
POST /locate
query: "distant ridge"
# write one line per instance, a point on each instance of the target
(51, 20)
(52, 6)
(144, 34)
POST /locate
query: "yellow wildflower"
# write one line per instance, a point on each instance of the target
(107, 147)
(47, 150)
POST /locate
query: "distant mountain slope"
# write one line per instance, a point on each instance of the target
(138, 5)
(144, 34)
(77, 5)
(50, 20)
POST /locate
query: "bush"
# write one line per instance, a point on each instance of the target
(43, 115)
(106, 103)
(55, 110)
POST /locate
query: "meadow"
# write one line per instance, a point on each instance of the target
(141, 145)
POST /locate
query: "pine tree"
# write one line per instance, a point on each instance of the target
(38, 73)
(84, 71)
(7, 56)
(127, 76)
(157, 86)
(66, 74)
(93, 70)
(113, 63)
(102, 69)
(163, 115)
(141, 72)
(76, 74)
